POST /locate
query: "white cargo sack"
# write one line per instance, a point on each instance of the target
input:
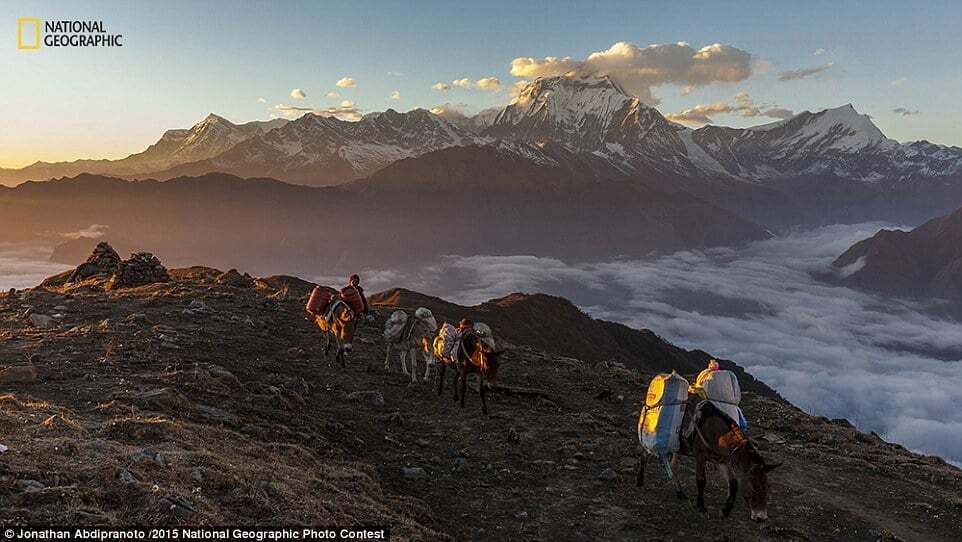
(446, 343)
(722, 389)
(483, 331)
(395, 326)
(660, 420)
(425, 315)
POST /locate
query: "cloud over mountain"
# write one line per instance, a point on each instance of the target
(743, 106)
(639, 69)
(347, 110)
(346, 82)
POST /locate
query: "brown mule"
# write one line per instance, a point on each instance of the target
(473, 355)
(717, 438)
(340, 324)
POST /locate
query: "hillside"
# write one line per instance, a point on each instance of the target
(195, 402)
(924, 262)
(556, 325)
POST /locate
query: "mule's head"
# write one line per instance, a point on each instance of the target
(489, 360)
(753, 479)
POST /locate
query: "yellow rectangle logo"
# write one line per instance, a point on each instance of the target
(27, 37)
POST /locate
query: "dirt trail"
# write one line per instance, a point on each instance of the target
(197, 403)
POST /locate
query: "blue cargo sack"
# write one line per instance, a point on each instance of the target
(660, 421)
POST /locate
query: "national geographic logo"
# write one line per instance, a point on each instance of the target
(31, 32)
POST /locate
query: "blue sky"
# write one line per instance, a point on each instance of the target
(182, 60)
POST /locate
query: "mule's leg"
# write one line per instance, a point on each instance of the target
(464, 386)
(700, 481)
(428, 361)
(404, 364)
(457, 381)
(327, 347)
(441, 378)
(679, 490)
(642, 464)
(729, 476)
(387, 358)
(413, 356)
(484, 400)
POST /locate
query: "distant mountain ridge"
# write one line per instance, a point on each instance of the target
(924, 262)
(814, 168)
(388, 222)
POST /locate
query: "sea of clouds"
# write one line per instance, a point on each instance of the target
(25, 265)
(888, 365)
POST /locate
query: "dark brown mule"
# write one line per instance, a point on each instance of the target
(473, 355)
(340, 325)
(717, 438)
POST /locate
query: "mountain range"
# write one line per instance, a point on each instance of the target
(813, 168)
(923, 262)
(387, 221)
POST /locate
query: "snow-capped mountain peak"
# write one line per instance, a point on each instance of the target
(587, 114)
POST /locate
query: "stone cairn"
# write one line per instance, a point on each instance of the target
(141, 268)
(103, 261)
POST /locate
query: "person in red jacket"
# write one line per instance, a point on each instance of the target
(355, 283)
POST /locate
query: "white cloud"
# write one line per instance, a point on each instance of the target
(346, 82)
(819, 51)
(793, 75)
(900, 81)
(93, 231)
(453, 112)
(517, 88)
(488, 83)
(905, 112)
(639, 69)
(262, 100)
(443, 87)
(396, 95)
(298, 94)
(346, 111)
(743, 106)
(883, 363)
(463, 83)
(333, 94)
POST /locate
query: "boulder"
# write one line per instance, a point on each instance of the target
(235, 279)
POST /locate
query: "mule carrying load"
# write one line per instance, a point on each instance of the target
(446, 343)
(659, 425)
(395, 325)
(721, 388)
(320, 300)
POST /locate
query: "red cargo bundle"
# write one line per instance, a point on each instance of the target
(352, 297)
(320, 299)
